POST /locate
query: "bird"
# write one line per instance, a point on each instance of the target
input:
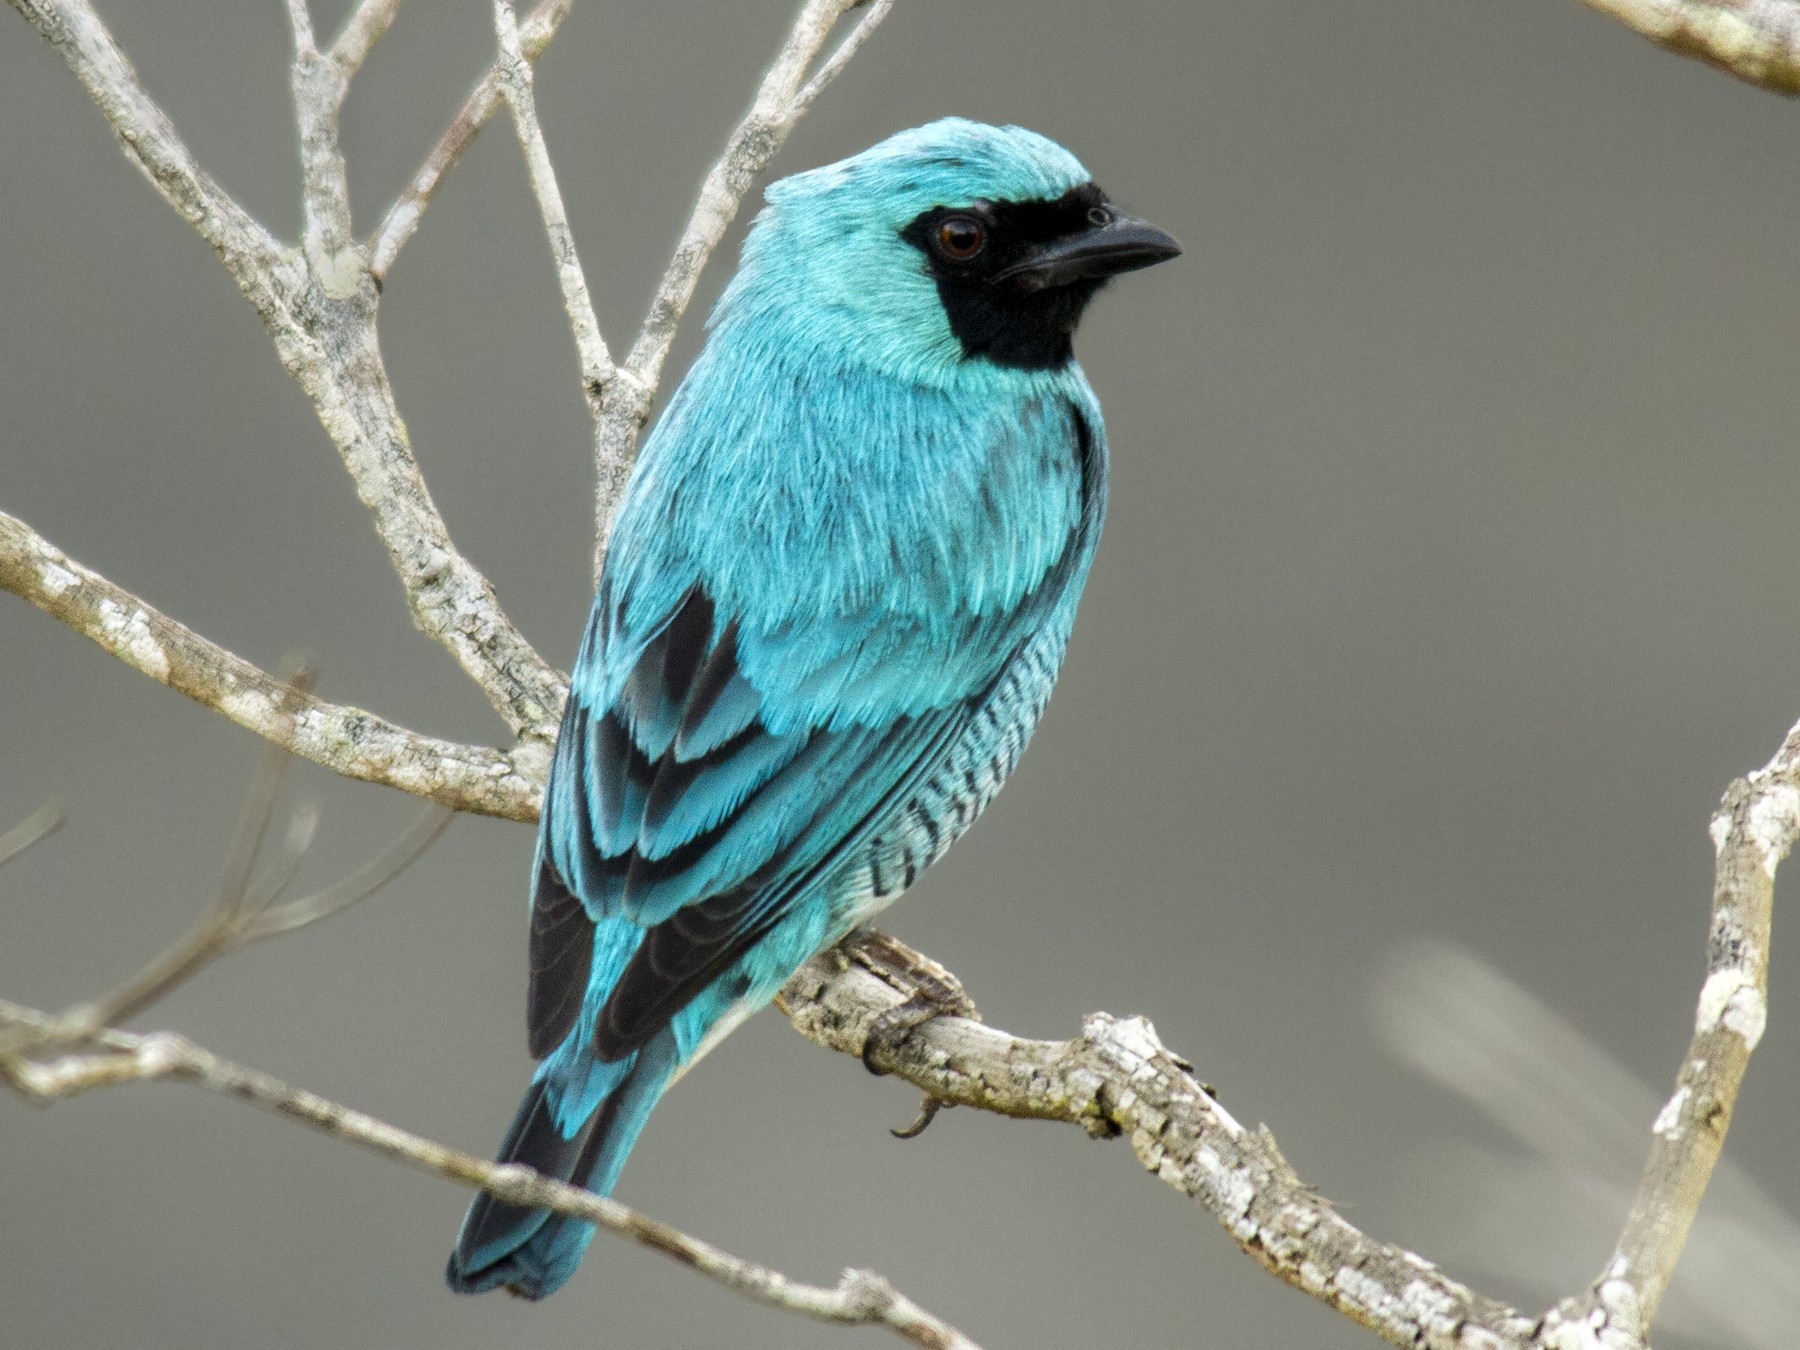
(838, 591)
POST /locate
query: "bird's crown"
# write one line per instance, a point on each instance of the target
(949, 162)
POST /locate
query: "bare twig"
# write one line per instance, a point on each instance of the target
(300, 20)
(833, 65)
(148, 139)
(245, 910)
(273, 920)
(368, 24)
(1574, 1119)
(1755, 826)
(780, 101)
(1756, 40)
(40, 824)
(346, 740)
(404, 215)
(319, 84)
(860, 1298)
(515, 85)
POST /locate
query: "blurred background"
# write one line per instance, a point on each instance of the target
(1450, 576)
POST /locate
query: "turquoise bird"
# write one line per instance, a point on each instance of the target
(837, 596)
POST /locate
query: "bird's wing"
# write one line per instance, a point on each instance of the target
(679, 809)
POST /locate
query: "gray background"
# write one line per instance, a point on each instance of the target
(1450, 576)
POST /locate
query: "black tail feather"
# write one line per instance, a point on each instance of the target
(529, 1252)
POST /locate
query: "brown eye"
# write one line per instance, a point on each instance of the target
(961, 238)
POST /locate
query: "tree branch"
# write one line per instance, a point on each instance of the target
(346, 740)
(40, 824)
(1755, 826)
(781, 100)
(515, 86)
(1116, 1077)
(149, 141)
(320, 309)
(1758, 41)
(860, 1298)
(319, 85)
(403, 217)
(366, 26)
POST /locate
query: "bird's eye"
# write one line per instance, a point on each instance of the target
(1100, 216)
(961, 238)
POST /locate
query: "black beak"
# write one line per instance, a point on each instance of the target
(1122, 244)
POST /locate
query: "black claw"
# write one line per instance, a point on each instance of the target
(870, 1045)
(928, 1110)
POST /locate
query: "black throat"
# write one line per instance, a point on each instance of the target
(1000, 321)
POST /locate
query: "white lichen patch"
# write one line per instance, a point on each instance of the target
(248, 708)
(1237, 1192)
(1668, 1120)
(339, 273)
(1773, 821)
(1720, 830)
(129, 633)
(1721, 989)
(1359, 1290)
(1620, 1300)
(56, 578)
(1136, 1036)
(1747, 1013)
(1430, 1308)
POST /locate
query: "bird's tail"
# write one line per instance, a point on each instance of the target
(531, 1252)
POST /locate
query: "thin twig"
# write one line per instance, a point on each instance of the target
(347, 740)
(1758, 41)
(860, 1298)
(149, 140)
(245, 909)
(318, 85)
(782, 98)
(274, 920)
(40, 824)
(404, 215)
(833, 65)
(515, 85)
(368, 24)
(300, 20)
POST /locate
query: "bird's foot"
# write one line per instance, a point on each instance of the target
(931, 992)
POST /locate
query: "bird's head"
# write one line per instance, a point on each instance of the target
(952, 245)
